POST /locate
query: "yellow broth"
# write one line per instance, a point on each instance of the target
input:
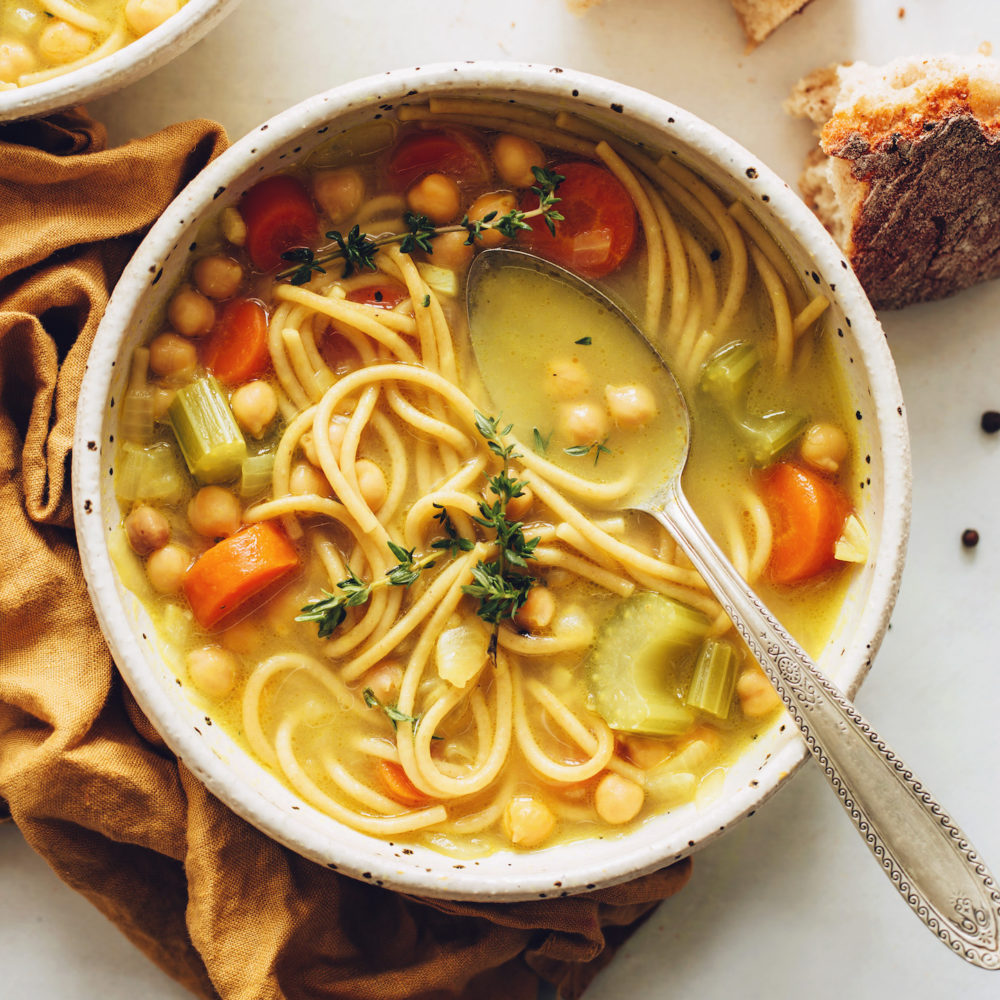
(341, 718)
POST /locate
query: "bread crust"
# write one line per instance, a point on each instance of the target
(928, 224)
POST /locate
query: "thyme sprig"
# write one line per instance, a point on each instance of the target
(357, 250)
(580, 450)
(498, 584)
(330, 610)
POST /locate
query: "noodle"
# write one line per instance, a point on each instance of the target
(386, 689)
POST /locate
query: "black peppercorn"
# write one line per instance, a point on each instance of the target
(970, 538)
(990, 421)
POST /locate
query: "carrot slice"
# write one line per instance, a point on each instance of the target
(235, 569)
(807, 513)
(398, 785)
(236, 349)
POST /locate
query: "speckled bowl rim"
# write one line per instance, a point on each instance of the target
(178, 33)
(261, 799)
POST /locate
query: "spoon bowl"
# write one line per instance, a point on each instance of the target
(927, 857)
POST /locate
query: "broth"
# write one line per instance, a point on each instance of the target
(434, 621)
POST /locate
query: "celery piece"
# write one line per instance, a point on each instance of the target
(633, 666)
(136, 422)
(726, 375)
(207, 432)
(714, 680)
(256, 474)
(148, 472)
(768, 435)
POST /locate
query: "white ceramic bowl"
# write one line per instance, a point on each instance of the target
(229, 772)
(128, 64)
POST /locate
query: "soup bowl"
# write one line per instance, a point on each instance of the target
(248, 787)
(118, 68)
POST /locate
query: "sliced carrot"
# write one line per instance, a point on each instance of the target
(807, 512)
(235, 569)
(398, 785)
(236, 349)
(279, 215)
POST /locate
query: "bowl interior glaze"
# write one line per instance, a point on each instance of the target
(247, 787)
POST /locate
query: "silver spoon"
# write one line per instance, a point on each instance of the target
(927, 857)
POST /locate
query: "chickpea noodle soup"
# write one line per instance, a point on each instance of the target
(436, 622)
(41, 39)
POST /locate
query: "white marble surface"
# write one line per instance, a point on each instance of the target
(789, 903)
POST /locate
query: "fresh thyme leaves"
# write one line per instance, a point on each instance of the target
(306, 260)
(541, 443)
(427, 301)
(330, 611)
(358, 249)
(584, 341)
(498, 584)
(453, 542)
(394, 714)
(598, 447)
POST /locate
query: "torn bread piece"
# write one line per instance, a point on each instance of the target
(760, 17)
(907, 173)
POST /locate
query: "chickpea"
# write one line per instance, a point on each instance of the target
(306, 479)
(437, 196)
(518, 507)
(146, 530)
(618, 799)
(500, 202)
(242, 637)
(567, 378)
(385, 680)
(537, 611)
(514, 157)
(212, 670)
(371, 483)
(166, 567)
(172, 356)
(144, 15)
(217, 276)
(62, 42)
(339, 192)
(15, 59)
(528, 821)
(756, 693)
(254, 405)
(232, 226)
(583, 423)
(162, 398)
(824, 447)
(214, 512)
(644, 751)
(190, 313)
(631, 406)
(452, 251)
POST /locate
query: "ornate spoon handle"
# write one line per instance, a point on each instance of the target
(927, 857)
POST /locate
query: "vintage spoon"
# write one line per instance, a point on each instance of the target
(927, 857)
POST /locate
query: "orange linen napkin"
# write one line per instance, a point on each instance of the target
(216, 904)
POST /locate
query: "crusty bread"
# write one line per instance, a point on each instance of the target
(907, 173)
(761, 17)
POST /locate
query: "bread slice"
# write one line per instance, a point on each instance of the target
(761, 17)
(907, 173)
